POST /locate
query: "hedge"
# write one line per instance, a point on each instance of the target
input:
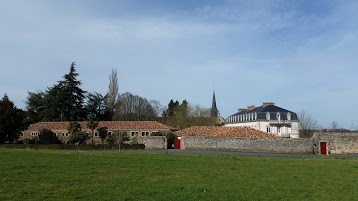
(71, 146)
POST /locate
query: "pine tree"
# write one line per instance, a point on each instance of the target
(12, 120)
(72, 96)
(65, 100)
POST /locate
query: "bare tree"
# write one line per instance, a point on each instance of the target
(198, 111)
(334, 125)
(307, 124)
(112, 90)
(157, 107)
(133, 108)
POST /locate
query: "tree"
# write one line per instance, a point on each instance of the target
(185, 115)
(12, 120)
(72, 96)
(111, 139)
(102, 133)
(63, 101)
(307, 124)
(97, 106)
(157, 107)
(46, 136)
(133, 108)
(76, 135)
(113, 91)
(334, 125)
(92, 124)
(35, 106)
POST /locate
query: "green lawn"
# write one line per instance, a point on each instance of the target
(88, 175)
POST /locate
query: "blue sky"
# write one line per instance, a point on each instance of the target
(302, 55)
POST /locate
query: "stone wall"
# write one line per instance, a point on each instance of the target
(337, 143)
(155, 142)
(281, 145)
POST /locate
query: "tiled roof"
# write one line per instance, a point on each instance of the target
(216, 131)
(124, 125)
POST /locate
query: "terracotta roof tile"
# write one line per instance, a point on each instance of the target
(151, 125)
(216, 131)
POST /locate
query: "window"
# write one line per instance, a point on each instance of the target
(255, 116)
(278, 129)
(278, 116)
(63, 134)
(145, 133)
(268, 129)
(109, 132)
(288, 116)
(267, 116)
(96, 134)
(134, 133)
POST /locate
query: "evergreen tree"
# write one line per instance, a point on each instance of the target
(35, 106)
(72, 96)
(62, 102)
(12, 120)
(97, 106)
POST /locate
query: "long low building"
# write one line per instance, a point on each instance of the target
(132, 128)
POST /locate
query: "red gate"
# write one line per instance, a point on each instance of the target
(176, 144)
(323, 146)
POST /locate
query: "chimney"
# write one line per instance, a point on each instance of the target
(240, 110)
(251, 107)
(264, 104)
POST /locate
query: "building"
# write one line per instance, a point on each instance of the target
(267, 118)
(134, 129)
(214, 110)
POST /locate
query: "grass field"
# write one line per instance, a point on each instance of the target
(88, 175)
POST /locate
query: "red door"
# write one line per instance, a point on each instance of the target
(176, 144)
(323, 146)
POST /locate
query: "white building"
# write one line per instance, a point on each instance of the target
(267, 118)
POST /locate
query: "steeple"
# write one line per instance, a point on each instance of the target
(214, 109)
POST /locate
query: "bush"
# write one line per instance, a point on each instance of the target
(79, 137)
(46, 136)
(170, 139)
(70, 146)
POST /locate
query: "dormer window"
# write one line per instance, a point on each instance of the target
(267, 116)
(278, 116)
(288, 116)
(255, 116)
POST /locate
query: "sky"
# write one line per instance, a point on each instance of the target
(301, 55)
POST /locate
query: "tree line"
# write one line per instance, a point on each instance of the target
(67, 101)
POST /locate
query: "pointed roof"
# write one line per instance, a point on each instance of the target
(214, 109)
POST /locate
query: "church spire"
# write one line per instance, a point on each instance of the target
(214, 109)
